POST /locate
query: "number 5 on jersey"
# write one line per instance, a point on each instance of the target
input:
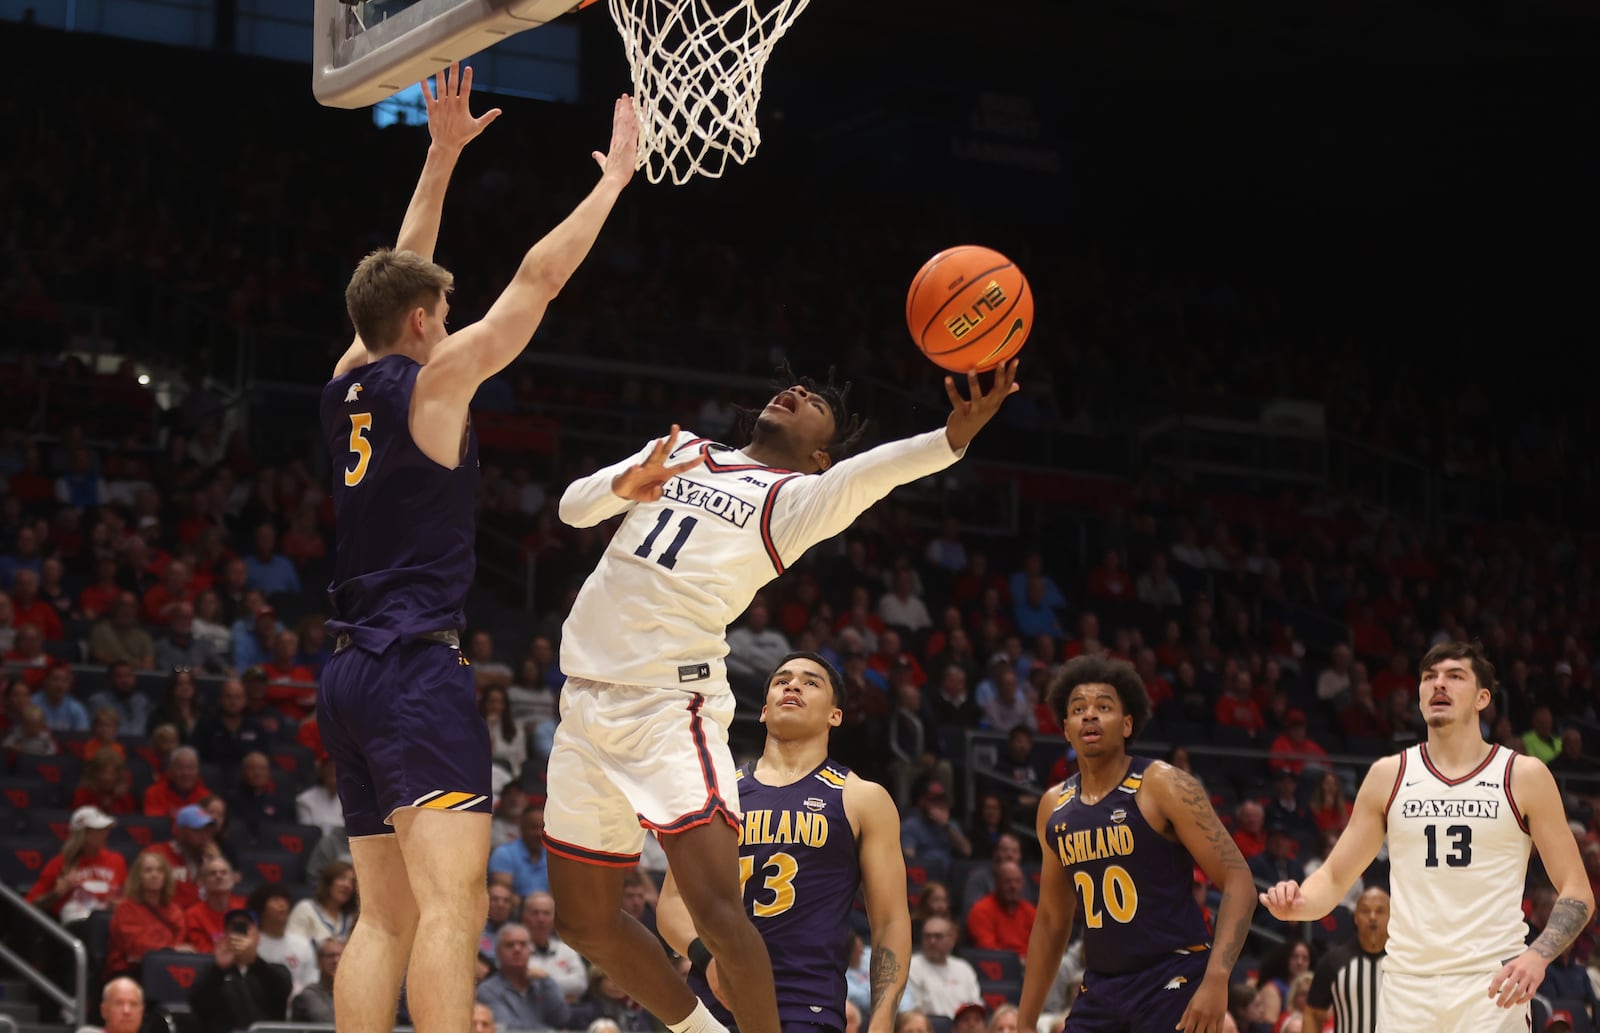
(360, 447)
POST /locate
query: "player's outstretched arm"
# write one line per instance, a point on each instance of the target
(969, 415)
(1536, 795)
(883, 883)
(451, 126)
(1358, 845)
(464, 360)
(1052, 924)
(615, 488)
(1184, 803)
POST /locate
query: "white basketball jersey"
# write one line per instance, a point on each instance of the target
(657, 607)
(1458, 855)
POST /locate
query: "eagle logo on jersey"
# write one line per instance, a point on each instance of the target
(1175, 982)
(354, 394)
(1119, 816)
(814, 804)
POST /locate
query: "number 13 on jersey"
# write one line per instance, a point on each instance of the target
(360, 447)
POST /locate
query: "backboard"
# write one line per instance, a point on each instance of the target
(367, 50)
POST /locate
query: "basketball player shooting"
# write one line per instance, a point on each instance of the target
(814, 833)
(1121, 840)
(397, 703)
(1459, 814)
(643, 738)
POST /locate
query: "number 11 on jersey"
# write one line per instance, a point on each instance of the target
(669, 557)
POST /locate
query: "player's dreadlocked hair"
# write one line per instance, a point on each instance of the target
(848, 427)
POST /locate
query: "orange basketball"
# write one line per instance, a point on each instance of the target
(969, 308)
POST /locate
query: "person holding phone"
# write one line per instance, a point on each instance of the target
(240, 989)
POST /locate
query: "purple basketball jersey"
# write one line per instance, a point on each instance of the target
(405, 526)
(1134, 886)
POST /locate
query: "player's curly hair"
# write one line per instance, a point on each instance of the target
(848, 427)
(1094, 670)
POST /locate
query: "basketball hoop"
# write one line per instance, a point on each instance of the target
(697, 79)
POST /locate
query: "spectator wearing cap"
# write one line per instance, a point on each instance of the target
(205, 919)
(1276, 862)
(937, 983)
(122, 696)
(226, 735)
(193, 842)
(241, 988)
(120, 637)
(971, 1017)
(84, 877)
(266, 569)
(1560, 1021)
(62, 711)
(929, 834)
(1003, 919)
(121, 1008)
(178, 786)
(1284, 808)
(148, 918)
(1295, 752)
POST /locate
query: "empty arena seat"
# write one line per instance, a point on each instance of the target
(50, 821)
(994, 967)
(292, 765)
(168, 976)
(288, 837)
(257, 866)
(26, 793)
(138, 831)
(60, 771)
(22, 857)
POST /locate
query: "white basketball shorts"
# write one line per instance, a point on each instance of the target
(1445, 1004)
(630, 758)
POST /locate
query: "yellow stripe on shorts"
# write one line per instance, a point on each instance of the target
(447, 801)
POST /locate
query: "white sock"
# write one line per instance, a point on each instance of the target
(698, 1021)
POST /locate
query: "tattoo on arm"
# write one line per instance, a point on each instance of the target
(1567, 919)
(885, 973)
(1191, 796)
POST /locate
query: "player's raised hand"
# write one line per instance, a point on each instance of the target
(1518, 981)
(642, 482)
(1286, 902)
(617, 163)
(968, 415)
(1206, 1007)
(450, 121)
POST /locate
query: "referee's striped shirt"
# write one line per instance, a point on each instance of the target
(1346, 982)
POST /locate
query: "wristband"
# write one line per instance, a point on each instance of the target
(699, 956)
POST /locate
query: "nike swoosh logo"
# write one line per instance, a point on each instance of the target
(1416, 783)
(1016, 328)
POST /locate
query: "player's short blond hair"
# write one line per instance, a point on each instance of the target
(387, 286)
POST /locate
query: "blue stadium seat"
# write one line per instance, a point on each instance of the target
(168, 976)
(258, 866)
(994, 967)
(288, 837)
(26, 793)
(23, 857)
(135, 832)
(50, 821)
(60, 771)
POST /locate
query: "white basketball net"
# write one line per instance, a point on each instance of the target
(697, 79)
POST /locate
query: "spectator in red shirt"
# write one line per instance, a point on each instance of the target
(193, 842)
(28, 608)
(890, 653)
(148, 919)
(1249, 830)
(1235, 708)
(1002, 920)
(177, 586)
(1368, 637)
(204, 919)
(291, 687)
(977, 580)
(1109, 580)
(1329, 808)
(97, 600)
(1362, 719)
(27, 652)
(85, 877)
(1158, 688)
(862, 618)
(1088, 640)
(106, 784)
(178, 787)
(1293, 751)
(1396, 677)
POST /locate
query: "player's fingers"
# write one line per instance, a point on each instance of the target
(466, 82)
(487, 117)
(687, 464)
(974, 389)
(950, 389)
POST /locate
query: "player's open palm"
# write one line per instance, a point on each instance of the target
(969, 414)
(642, 481)
(1204, 1014)
(450, 121)
(618, 162)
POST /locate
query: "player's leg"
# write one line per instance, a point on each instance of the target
(446, 860)
(374, 960)
(1101, 1006)
(589, 917)
(706, 860)
(1157, 997)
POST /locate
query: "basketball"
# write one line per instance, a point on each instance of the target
(969, 309)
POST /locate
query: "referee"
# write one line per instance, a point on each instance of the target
(1346, 980)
